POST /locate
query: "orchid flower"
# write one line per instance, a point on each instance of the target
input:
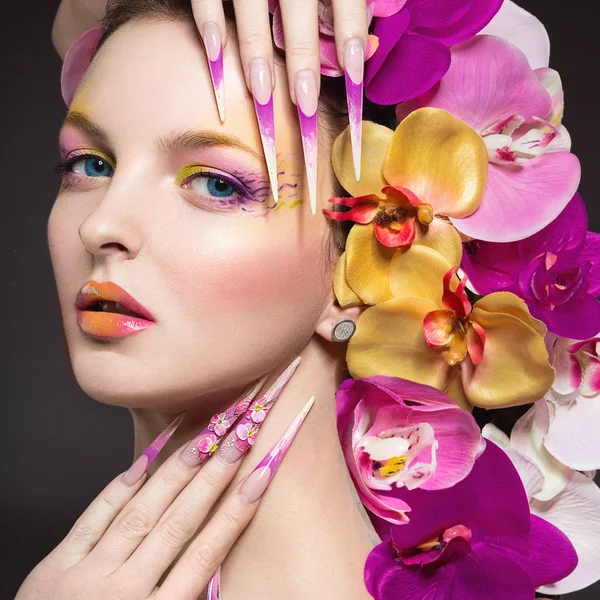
(575, 510)
(397, 434)
(532, 174)
(556, 271)
(432, 167)
(490, 355)
(477, 539)
(414, 43)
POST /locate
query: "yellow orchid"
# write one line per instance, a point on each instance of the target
(433, 166)
(491, 354)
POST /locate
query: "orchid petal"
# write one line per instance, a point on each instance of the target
(522, 29)
(387, 8)
(389, 341)
(514, 369)
(531, 475)
(419, 271)
(77, 60)
(343, 292)
(278, 28)
(402, 234)
(568, 372)
(475, 343)
(376, 141)
(438, 328)
(363, 209)
(368, 265)
(570, 438)
(528, 440)
(329, 61)
(520, 201)
(496, 435)
(552, 83)
(440, 159)
(576, 512)
(480, 67)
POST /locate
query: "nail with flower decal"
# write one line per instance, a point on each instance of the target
(201, 448)
(140, 466)
(244, 435)
(211, 36)
(262, 91)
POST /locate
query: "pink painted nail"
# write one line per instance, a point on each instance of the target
(262, 90)
(243, 436)
(199, 450)
(354, 66)
(140, 466)
(214, 586)
(257, 482)
(307, 100)
(211, 34)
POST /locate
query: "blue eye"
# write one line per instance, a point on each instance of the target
(91, 166)
(219, 187)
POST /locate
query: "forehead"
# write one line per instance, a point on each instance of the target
(151, 77)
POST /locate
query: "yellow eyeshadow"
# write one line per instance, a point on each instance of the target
(186, 172)
(87, 151)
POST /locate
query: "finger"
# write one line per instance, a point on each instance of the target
(350, 28)
(90, 528)
(210, 20)
(186, 514)
(194, 569)
(256, 51)
(303, 62)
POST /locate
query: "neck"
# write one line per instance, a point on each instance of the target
(311, 535)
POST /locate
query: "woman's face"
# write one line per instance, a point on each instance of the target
(174, 207)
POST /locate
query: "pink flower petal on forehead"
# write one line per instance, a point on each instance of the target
(77, 60)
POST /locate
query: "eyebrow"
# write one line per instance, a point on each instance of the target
(184, 140)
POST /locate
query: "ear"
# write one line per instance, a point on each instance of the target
(332, 315)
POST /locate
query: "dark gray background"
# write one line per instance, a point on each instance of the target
(59, 448)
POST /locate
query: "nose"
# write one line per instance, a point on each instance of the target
(113, 227)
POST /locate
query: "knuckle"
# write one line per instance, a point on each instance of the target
(204, 557)
(84, 531)
(134, 523)
(177, 530)
(254, 42)
(168, 478)
(234, 517)
(210, 479)
(303, 49)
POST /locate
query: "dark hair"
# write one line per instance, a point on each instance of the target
(332, 101)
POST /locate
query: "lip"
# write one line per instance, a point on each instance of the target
(106, 324)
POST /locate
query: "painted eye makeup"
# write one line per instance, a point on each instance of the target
(84, 164)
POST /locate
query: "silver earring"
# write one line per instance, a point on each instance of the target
(343, 330)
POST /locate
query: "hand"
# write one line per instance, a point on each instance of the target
(129, 536)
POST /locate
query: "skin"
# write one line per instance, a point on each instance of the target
(235, 295)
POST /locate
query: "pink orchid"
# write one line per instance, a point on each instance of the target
(207, 444)
(398, 435)
(515, 25)
(220, 424)
(532, 175)
(257, 411)
(575, 510)
(329, 61)
(246, 432)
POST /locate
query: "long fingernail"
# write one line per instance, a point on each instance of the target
(211, 34)
(257, 482)
(199, 450)
(140, 466)
(239, 440)
(307, 100)
(354, 66)
(262, 90)
(213, 591)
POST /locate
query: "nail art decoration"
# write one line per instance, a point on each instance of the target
(354, 66)
(257, 482)
(211, 34)
(262, 91)
(244, 435)
(214, 586)
(199, 450)
(140, 466)
(307, 101)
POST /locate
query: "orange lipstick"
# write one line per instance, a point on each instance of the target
(106, 310)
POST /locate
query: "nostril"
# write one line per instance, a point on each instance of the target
(115, 245)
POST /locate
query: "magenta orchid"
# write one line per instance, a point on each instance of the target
(220, 424)
(477, 539)
(247, 432)
(413, 53)
(555, 271)
(330, 65)
(575, 510)
(399, 435)
(207, 444)
(532, 174)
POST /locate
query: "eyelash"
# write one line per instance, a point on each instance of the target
(64, 168)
